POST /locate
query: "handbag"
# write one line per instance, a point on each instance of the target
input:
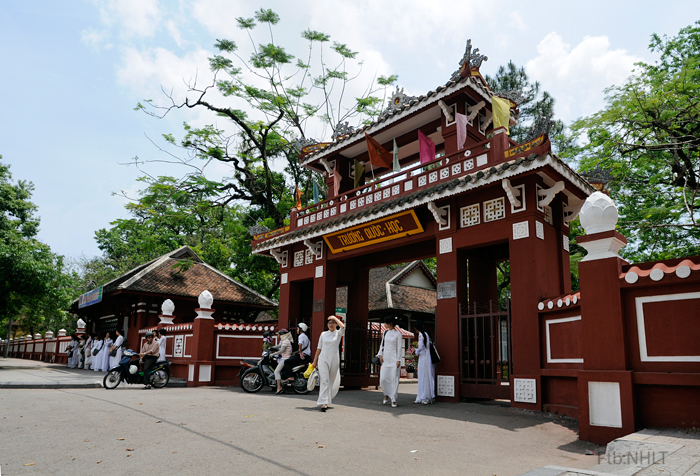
(113, 353)
(313, 380)
(376, 360)
(434, 356)
(96, 350)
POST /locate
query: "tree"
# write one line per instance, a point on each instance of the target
(166, 216)
(647, 141)
(269, 101)
(536, 106)
(32, 284)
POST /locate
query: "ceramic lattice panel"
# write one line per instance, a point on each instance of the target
(333, 211)
(369, 199)
(470, 215)
(353, 205)
(319, 271)
(308, 256)
(283, 278)
(422, 180)
(521, 230)
(396, 189)
(377, 196)
(343, 207)
(446, 386)
(457, 169)
(408, 186)
(319, 215)
(495, 209)
(444, 173)
(433, 177)
(300, 222)
(298, 258)
(525, 390)
(312, 218)
(306, 220)
(565, 242)
(361, 202)
(386, 193)
(548, 215)
(468, 164)
(539, 229)
(446, 245)
(326, 213)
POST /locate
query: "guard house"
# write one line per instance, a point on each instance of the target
(466, 194)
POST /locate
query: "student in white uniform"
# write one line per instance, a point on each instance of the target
(426, 368)
(117, 345)
(88, 351)
(73, 350)
(390, 356)
(161, 344)
(103, 356)
(327, 361)
(97, 344)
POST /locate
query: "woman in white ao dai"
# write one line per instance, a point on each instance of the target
(327, 361)
(390, 356)
(426, 368)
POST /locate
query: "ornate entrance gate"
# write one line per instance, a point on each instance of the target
(485, 344)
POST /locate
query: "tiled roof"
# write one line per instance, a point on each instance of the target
(404, 298)
(159, 277)
(656, 271)
(422, 196)
(559, 302)
(375, 326)
(421, 102)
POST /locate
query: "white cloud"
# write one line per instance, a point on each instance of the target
(577, 76)
(93, 38)
(174, 32)
(136, 17)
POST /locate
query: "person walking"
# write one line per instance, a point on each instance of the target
(284, 352)
(116, 349)
(426, 368)
(327, 361)
(390, 357)
(149, 357)
(304, 355)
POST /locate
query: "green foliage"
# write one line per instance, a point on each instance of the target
(537, 103)
(648, 139)
(33, 287)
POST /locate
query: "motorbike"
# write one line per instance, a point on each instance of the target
(128, 371)
(254, 375)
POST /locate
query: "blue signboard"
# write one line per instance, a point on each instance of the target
(90, 297)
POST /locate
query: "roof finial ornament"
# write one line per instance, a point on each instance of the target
(342, 129)
(397, 100)
(470, 60)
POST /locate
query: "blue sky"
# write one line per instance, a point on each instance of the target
(72, 72)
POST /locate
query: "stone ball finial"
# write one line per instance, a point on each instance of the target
(206, 300)
(168, 307)
(598, 214)
(80, 324)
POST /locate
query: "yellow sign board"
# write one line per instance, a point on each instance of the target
(377, 231)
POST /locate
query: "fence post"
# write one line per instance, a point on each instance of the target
(201, 367)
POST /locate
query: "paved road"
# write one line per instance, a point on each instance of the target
(21, 373)
(215, 430)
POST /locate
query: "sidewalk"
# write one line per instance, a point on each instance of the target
(647, 452)
(22, 373)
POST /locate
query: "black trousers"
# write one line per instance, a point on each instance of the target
(149, 361)
(292, 362)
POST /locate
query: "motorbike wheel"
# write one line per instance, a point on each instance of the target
(251, 382)
(160, 378)
(300, 388)
(112, 380)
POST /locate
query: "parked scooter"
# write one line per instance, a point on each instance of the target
(128, 370)
(254, 375)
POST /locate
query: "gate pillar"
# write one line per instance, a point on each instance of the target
(451, 277)
(606, 395)
(325, 283)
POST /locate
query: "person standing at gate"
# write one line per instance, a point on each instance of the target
(97, 344)
(426, 368)
(88, 350)
(390, 357)
(327, 361)
(103, 356)
(73, 350)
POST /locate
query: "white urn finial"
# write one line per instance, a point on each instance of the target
(598, 214)
(80, 323)
(37, 336)
(168, 307)
(48, 334)
(61, 332)
(29, 337)
(206, 300)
